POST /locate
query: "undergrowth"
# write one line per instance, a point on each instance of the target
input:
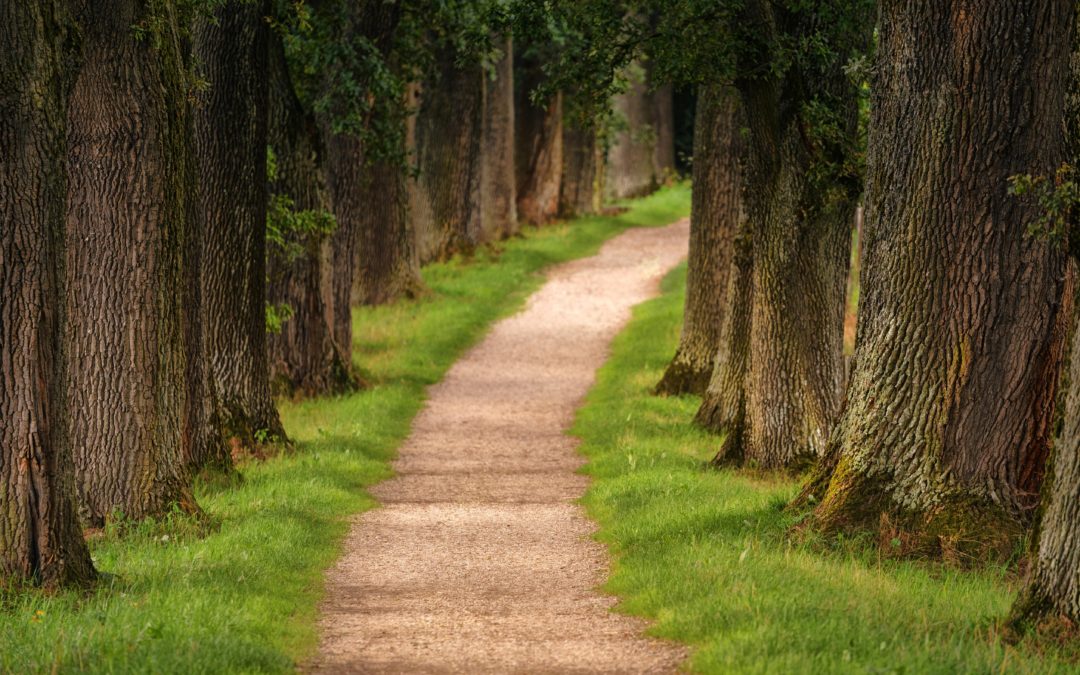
(237, 591)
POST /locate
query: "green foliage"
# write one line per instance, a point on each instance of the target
(353, 61)
(242, 596)
(277, 315)
(1057, 199)
(705, 553)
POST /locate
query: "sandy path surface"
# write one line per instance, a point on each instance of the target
(479, 561)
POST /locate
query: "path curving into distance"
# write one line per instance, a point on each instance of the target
(479, 560)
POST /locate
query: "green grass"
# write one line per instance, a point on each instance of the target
(704, 552)
(243, 597)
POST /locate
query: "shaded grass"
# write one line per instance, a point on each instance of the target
(704, 552)
(239, 594)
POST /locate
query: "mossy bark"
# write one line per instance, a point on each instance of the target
(715, 213)
(129, 223)
(304, 358)
(40, 538)
(961, 325)
(231, 49)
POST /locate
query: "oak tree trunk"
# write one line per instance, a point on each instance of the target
(715, 212)
(498, 191)
(945, 433)
(40, 538)
(631, 158)
(231, 141)
(445, 206)
(345, 175)
(304, 358)
(800, 203)
(663, 132)
(538, 146)
(1052, 587)
(581, 188)
(128, 224)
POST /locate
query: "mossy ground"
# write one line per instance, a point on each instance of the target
(707, 554)
(237, 590)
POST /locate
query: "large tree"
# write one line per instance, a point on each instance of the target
(715, 213)
(231, 50)
(128, 224)
(945, 433)
(538, 137)
(498, 190)
(40, 538)
(445, 204)
(303, 355)
(581, 188)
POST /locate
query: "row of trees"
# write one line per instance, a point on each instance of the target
(176, 178)
(955, 124)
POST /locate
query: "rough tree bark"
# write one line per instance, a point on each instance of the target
(498, 191)
(128, 223)
(715, 213)
(581, 188)
(799, 209)
(231, 141)
(538, 146)
(303, 357)
(40, 538)
(445, 196)
(630, 159)
(944, 437)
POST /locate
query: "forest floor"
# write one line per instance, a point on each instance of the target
(479, 560)
(238, 590)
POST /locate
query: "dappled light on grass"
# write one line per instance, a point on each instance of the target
(238, 591)
(706, 552)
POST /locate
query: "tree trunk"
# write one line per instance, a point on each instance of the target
(723, 407)
(630, 159)
(303, 356)
(231, 141)
(944, 437)
(448, 128)
(345, 174)
(581, 187)
(128, 222)
(539, 147)
(715, 213)
(40, 538)
(800, 201)
(1052, 586)
(663, 101)
(498, 192)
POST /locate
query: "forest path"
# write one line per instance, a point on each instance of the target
(479, 559)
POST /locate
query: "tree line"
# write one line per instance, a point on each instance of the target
(951, 432)
(357, 141)
(196, 193)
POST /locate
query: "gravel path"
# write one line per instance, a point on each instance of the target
(479, 560)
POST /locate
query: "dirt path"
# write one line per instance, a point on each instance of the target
(479, 560)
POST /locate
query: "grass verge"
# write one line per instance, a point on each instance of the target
(703, 552)
(243, 596)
